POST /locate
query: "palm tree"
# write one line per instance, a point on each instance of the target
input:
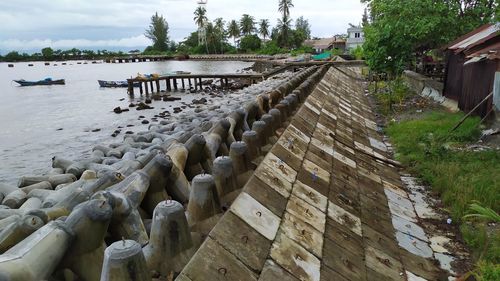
(247, 24)
(221, 32)
(233, 30)
(200, 18)
(284, 7)
(284, 28)
(264, 28)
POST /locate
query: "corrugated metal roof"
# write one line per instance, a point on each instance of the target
(475, 38)
(323, 43)
(490, 52)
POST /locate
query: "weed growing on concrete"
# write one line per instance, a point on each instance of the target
(460, 176)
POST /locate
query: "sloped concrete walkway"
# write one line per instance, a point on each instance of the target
(326, 203)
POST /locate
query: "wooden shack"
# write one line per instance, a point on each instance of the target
(471, 63)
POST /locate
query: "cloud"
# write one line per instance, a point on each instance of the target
(121, 22)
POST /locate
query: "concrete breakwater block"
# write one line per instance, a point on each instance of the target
(124, 261)
(92, 215)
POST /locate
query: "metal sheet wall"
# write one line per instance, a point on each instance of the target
(477, 84)
(453, 75)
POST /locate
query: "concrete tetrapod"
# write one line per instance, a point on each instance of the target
(30, 180)
(159, 170)
(262, 130)
(17, 231)
(89, 221)
(124, 261)
(178, 184)
(237, 119)
(263, 101)
(197, 159)
(276, 120)
(15, 199)
(251, 114)
(169, 238)
(203, 200)
(41, 185)
(241, 163)
(23, 262)
(253, 146)
(270, 128)
(225, 180)
(216, 139)
(126, 222)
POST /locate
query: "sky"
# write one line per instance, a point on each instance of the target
(29, 25)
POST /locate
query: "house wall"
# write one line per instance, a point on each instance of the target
(453, 75)
(352, 42)
(477, 84)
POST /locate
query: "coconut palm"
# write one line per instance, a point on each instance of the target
(247, 24)
(264, 28)
(284, 29)
(234, 30)
(284, 7)
(220, 32)
(200, 18)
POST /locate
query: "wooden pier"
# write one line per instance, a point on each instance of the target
(186, 81)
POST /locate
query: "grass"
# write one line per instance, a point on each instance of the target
(461, 177)
(389, 93)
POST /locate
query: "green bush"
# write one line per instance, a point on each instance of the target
(271, 48)
(302, 50)
(358, 53)
(250, 43)
(461, 177)
(390, 93)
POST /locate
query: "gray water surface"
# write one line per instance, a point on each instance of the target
(37, 123)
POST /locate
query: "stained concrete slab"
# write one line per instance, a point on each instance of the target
(256, 215)
(307, 213)
(310, 195)
(372, 229)
(295, 259)
(221, 265)
(274, 272)
(248, 245)
(266, 195)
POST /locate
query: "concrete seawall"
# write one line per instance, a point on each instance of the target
(132, 195)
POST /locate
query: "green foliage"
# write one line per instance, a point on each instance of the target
(400, 29)
(247, 24)
(250, 43)
(13, 56)
(336, 52)
(390, 93)
(284, 7)
(200, 16)
(158, 32)
(47, 53)
(302, 50)
(478, 212)
(271, 48)
(358, 52)
(264, 28)
(233, 30)
(461, 177)
(302, 25)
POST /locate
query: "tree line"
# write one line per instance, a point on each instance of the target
(247, 34)
(49, 54)
(398, 32)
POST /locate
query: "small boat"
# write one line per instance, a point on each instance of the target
(44, 82)
(182, 72)
(116, 84)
